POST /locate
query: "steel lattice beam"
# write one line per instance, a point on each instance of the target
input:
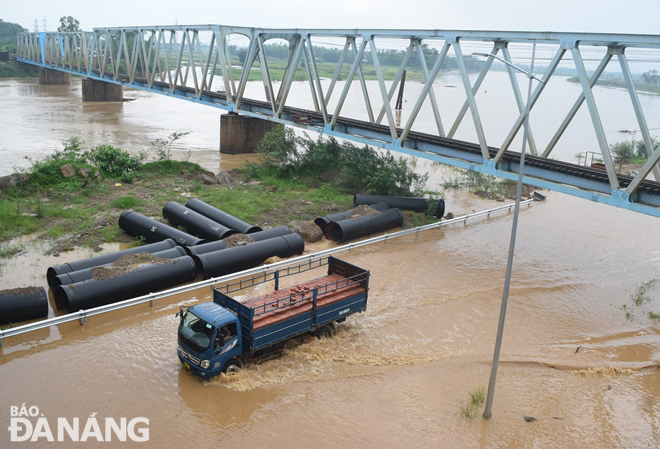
(184, 61)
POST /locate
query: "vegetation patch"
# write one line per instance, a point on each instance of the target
(80, 211)
(126, 202)
(640, 297)
(344, 166)
(470, 409)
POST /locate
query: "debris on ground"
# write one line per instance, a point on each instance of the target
(238, 240)
(308, 230)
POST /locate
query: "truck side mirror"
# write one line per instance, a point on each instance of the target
(180, 313)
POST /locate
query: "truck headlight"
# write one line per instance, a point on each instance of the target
(205, 364)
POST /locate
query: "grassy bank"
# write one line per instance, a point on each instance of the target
(83, 210)
(640, 86)
(327, 70)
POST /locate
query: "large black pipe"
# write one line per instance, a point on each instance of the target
(256, 236)
(352, 228)
(23, 304)
(322, 222)
(103, 259)
(221, 217)
(231, 260)
(136, 224)
(88, 273)
(194, 222)
(402, 202)
(141, 281)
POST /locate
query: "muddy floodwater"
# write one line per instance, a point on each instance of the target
(578, 355)
(396, 375)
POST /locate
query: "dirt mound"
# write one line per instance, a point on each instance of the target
(20, 290)
(237, 240)
(126, 264)
(309, 231)
(363, 210)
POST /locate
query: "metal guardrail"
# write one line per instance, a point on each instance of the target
(83, 315)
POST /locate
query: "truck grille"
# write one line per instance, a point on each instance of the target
(187, 355)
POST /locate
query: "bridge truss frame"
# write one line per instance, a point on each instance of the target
(173, 60)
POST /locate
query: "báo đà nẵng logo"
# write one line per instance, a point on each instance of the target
(28, 424)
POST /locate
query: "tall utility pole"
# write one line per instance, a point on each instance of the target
(488, 412)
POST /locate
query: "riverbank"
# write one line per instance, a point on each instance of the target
(84, 212)
(13, 69)
(620, 83)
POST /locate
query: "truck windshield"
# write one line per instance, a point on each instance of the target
(196, 332)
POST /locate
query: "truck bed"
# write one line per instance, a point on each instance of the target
(274, 317)
(289, 302)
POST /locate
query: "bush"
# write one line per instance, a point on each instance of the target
(623, 150)
(632, 151)
(640, 148)
(350, 168)
(114, 162)
(46, 171)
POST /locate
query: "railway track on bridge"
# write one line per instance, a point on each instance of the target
(316, 119)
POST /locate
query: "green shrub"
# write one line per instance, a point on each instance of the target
(623, 150)
(344, 165)
(114, 161)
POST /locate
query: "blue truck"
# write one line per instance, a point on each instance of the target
(224, 335)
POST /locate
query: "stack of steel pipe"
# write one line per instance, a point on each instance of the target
(221, 217)
(403, 202)
(231, 260)
(195, 223)
(140, 281)
(138, 225)
(322, 222)
(104, 259)
(88, 273)
(255, 236)
(22, 304)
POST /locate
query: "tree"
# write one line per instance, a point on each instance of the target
(651, 77)
(68, 23)
(8, 32)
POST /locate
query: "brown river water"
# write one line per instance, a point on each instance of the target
(397, 374)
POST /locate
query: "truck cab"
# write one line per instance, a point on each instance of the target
(209, 338)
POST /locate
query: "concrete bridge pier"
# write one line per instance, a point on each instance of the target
(240, 134)
(49, 76)
(94, 90)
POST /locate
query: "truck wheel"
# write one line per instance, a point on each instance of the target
(233, 366)
(324, 332)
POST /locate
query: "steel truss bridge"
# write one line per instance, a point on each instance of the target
(189, 62)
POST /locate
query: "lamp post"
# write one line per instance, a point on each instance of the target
(488, 412)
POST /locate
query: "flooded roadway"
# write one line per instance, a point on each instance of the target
(396, 375)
